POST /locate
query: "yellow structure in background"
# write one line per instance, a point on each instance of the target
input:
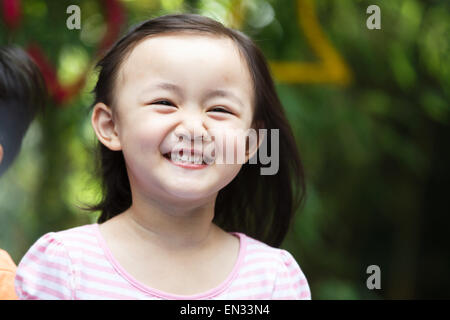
(331, 67)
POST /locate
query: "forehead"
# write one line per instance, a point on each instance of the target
(186, 57)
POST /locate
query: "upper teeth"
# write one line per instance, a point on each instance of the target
(187, 158)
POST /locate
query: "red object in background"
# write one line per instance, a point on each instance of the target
(11, 13)
(114, 18)
(57, 92)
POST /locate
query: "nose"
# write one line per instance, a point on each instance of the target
(192, 128)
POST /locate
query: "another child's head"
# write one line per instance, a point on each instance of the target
(188, 78)
(22, 92)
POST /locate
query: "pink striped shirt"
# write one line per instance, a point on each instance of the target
(77, 264)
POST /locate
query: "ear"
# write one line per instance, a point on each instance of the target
(104, 126)
(1, 153)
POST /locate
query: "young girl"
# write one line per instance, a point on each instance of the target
(173, 225)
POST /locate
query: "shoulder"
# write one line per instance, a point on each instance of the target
(288, 278)
(259, 251)
(61, 243)
(78, 236)
(46, 270)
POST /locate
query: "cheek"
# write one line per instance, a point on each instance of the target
(230, 146)
(141, 136)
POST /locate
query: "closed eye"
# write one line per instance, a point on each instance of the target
(221, 110)
(163, 102)
(168, 103)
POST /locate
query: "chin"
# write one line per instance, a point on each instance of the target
(190, 193)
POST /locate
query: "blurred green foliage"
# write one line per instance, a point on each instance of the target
(375, 152)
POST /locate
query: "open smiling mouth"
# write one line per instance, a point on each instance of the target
(186, 159)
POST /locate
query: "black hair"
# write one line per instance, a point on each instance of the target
(261, 206)
(22, 94)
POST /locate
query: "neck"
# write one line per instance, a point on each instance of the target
(174, 226)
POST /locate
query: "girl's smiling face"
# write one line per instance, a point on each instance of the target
(175, 91)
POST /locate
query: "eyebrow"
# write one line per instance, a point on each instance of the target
(211, 93)
(224, 94)
(168, 86)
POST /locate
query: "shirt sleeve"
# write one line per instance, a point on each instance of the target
(291, 283)
(45, 272)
